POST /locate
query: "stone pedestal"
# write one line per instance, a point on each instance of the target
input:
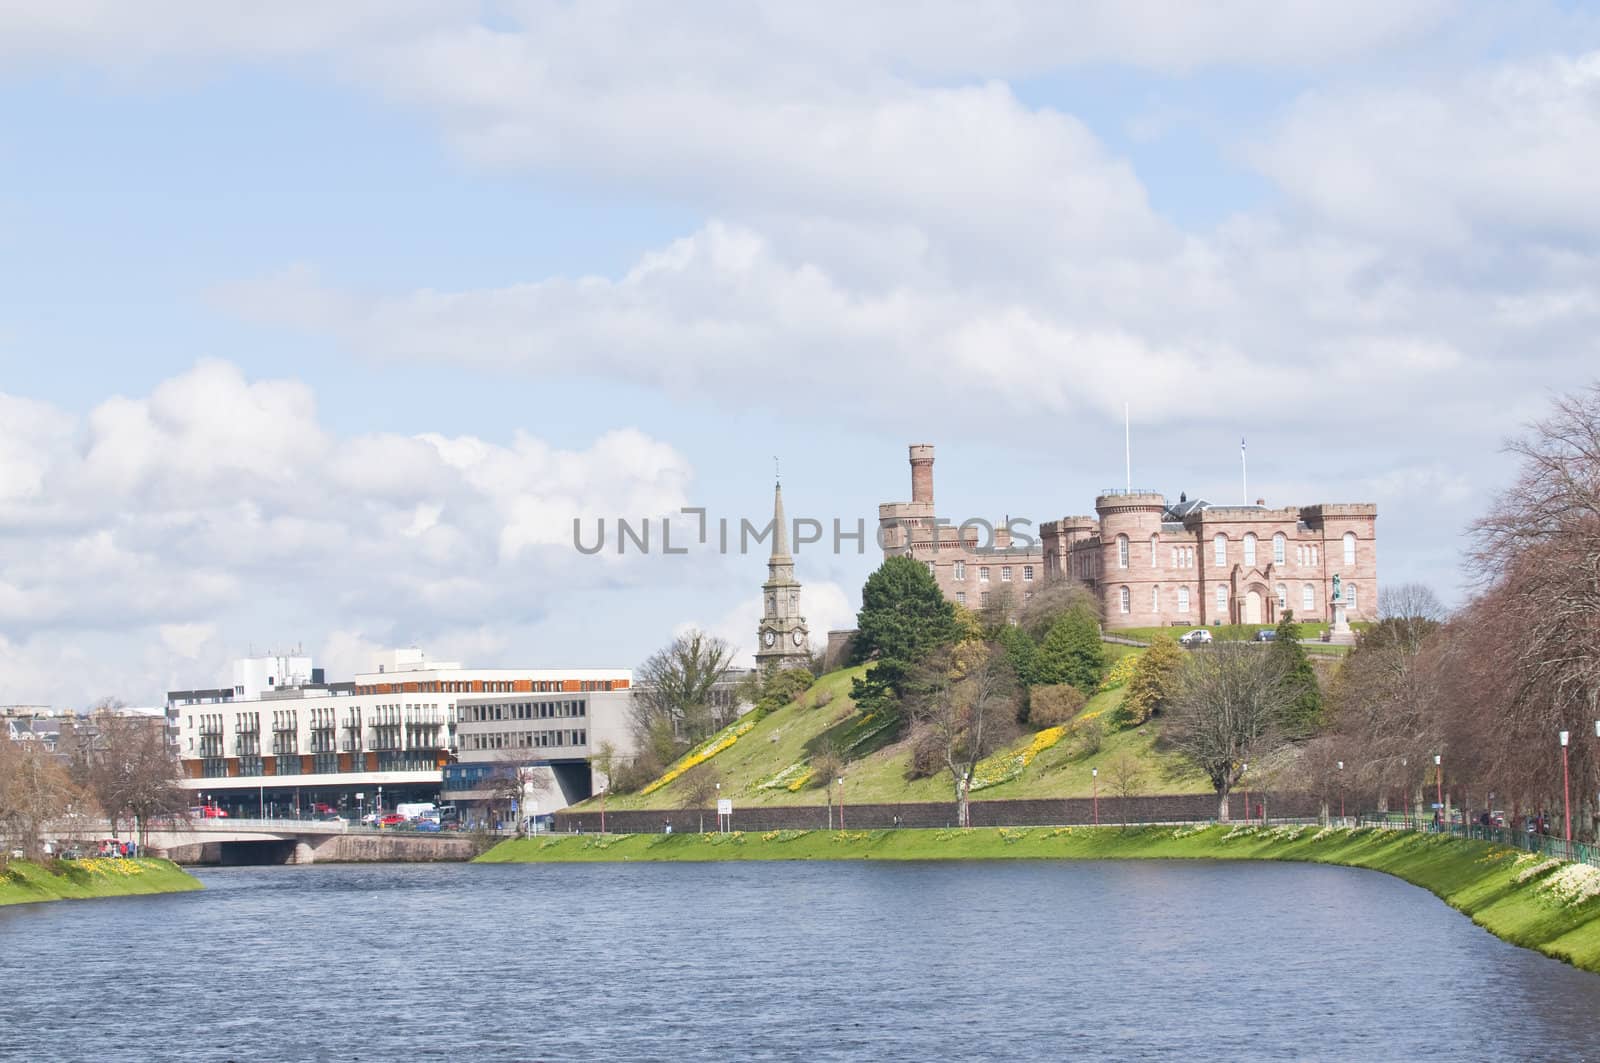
(1340, 632)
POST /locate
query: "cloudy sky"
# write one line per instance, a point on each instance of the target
(319, 323)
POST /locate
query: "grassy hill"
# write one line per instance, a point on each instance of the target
(767, 762)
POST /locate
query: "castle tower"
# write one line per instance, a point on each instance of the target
(782, 639)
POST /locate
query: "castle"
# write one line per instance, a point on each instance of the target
(1151, 562)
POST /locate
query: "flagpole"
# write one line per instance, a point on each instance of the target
(1244, 472)
(1127, 448)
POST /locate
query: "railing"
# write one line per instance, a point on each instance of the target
(1543, 844)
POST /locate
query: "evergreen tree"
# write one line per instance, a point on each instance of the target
(1302, 713)
(1071, 653)
(903, 613)
(1020, 651)
(1154, 682)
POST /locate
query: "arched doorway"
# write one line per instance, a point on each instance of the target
(1252, 607)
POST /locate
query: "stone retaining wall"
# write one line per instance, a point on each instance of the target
(1021, 813)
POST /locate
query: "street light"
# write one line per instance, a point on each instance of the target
(841, 802)
(1341, 790)
(1566, 788)
(1438, 782)
(1244, 767)
(1094, 776)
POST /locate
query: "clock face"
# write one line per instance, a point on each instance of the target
(769, 637)
(799, 637)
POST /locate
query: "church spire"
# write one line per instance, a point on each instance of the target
(780, 538)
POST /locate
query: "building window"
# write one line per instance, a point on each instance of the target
(1222, 602)
(1155, 558)
(961, 570)
(1308, 599)
(1125, 600)
(933, 570)
(1027, 573)
(1280, 548)
(1122, 551)
(1349, 548)
(1349, 596)
(1219, 550)
(1005, 574)
(1183, 599)
(983, 573)
(1283, 596)
(1250, 550)
(1155, 599)
(961, 597)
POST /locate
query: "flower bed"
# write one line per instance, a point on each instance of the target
(1573, 884)
(1120, 673)
(1004, 767)
(791, 778)
(702, 753)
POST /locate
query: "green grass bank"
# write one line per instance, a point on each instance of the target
(1538, 904)
(23, 882)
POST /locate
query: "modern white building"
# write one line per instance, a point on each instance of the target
(282, 741)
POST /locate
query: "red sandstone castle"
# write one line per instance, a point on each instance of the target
(1153, 562)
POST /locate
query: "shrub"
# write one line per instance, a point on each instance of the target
(1086, 737)
(823, 699)
(1053, 705)
(927, 756)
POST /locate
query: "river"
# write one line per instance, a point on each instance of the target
(964, 961)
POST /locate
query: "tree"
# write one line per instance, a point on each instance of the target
(903, 613)
(1054, 705)
(674, 685)
(965, 695)
(1226, 711)
(1053, 599)
(513, 784)
(1125, 776)
(128, 765)
(701, 785)
(1020, 649)
(1302, 713)
(1154, 682)
(34, 790)
(1072, 653)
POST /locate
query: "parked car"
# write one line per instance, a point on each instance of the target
(1266, 634)
(369, 819)
(1198, 637)
(427, 826)
(393, 819)
(208, 812)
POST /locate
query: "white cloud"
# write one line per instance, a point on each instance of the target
(215, 504)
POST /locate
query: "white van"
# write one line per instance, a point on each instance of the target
(420, 810)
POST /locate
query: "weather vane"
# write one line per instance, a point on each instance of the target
(777, 474)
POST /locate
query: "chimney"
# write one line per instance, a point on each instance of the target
(922, 472)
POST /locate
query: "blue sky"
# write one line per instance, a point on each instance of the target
(319, 326)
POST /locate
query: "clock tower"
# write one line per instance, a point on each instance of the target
(782, 640)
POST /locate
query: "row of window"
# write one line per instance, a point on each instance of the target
(524, 710)
(983, 597)
(1308, 598)
(958, 571)
(502, 686)
(1183, 556)
(523, 739)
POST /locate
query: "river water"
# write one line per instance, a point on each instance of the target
(807, 961)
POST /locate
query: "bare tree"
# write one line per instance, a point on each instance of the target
(128, 765)
(672, 689)
(701, 785)
(1224, 712)
(1052, 600)
(514, 783)
(34, 790)
(966, 696)
(1125, 776)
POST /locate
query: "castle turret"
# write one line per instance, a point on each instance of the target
(922, 473)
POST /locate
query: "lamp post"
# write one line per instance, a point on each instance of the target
(1341, 791)
(1094, 776)
(1244, 767)
(719, 808)
(1439, 786)
(603, 809)
(841, 802)
(377, 810)
(1566, 788)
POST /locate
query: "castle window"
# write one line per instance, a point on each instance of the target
(983, 573)
(1027, 596)
(1283, 596)
(1155, 599)
(1027, 573)
(1222, 602)
(961, 570)
(1250, 550)
(961, 597)
(1155, 558)
(1350, 596)
(933, 570)
(1122, 551)
(1005, 574)
(1125, 600)
(1183, 599)
(1308, 599)
(1349, 548)
(1280, 547)
(1219, 550)
(1174, 557)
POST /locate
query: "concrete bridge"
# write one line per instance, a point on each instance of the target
(298, 841)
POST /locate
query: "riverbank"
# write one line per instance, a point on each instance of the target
(1541, 905)
(23, 882)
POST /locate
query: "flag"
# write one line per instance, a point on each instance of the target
(1241, 444)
